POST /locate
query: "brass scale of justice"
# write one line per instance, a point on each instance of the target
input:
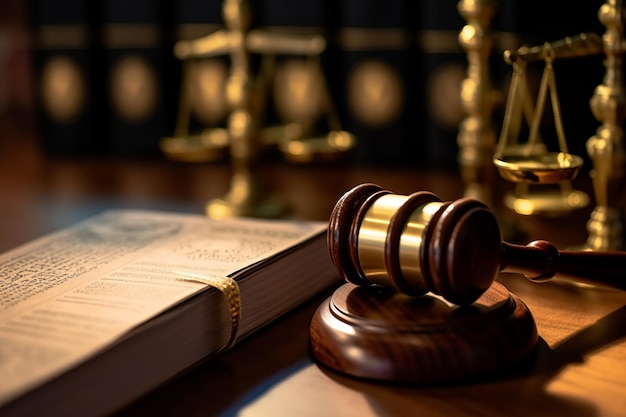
(422, 304)
(296, 138)
(245, 93)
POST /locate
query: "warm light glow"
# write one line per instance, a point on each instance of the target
(340, 139)
(524, 207)
(296, 148)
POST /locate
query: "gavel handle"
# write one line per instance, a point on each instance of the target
(540, 260)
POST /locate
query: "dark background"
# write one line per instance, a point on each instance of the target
(414, 137)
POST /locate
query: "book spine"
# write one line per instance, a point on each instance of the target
(299, 83)
(380, 92)
(15, 59)
(138, 59)
(200, 81)
(66, 76)
(443, 68)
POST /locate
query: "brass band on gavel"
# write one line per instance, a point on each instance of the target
(417, 210)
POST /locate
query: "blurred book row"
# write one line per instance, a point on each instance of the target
(105, 78)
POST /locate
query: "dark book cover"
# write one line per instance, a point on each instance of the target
(443, 67)
(139, 73)
(67, 77)
(380, 85)
(200, 83)
(301, 82)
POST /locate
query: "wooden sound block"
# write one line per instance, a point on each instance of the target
(381, 334)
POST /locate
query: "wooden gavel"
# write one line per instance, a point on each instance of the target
(417, 244)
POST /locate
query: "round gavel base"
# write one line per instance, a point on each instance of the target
(380, 334)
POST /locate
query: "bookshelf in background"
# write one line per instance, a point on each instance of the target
(393, 69)
(66, 75)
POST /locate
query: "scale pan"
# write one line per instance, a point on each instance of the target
(206, 146)
(544, 168)
(333, 146)
(546, 203)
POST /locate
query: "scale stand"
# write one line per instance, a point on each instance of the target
(244, 137)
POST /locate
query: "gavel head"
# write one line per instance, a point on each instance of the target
(415, 243)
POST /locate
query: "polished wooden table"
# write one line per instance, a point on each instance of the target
(579, 369)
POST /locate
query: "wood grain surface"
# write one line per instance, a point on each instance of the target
(581, 351)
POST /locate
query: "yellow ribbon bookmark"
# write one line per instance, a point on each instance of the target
(229, 287)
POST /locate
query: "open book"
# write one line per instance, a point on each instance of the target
(96, 315)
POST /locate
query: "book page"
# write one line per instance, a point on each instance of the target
(68, 295)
